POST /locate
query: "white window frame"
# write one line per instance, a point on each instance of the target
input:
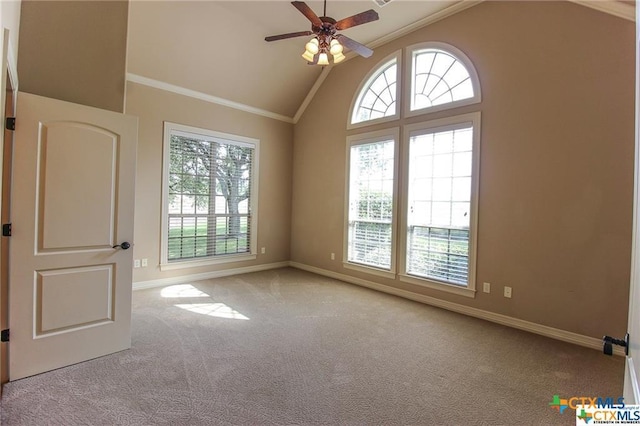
(364, 85)
(409, 71)
(169, 128)
(443, 124)
(361, 139)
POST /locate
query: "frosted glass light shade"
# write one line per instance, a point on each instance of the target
(308, 56)
(312, 46)
(338, 57)
(323, 59)
(336, 47)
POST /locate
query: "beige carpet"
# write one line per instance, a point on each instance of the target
(313, 351)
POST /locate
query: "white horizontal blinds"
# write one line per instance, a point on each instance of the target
(371, 204)
(209, 197)
(378, 98)
(439, 213)
(438, 78)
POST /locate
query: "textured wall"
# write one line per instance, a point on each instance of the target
(153, 107)
(556, 168)
(74, 51)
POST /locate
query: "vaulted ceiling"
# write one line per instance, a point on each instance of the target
(217, 48)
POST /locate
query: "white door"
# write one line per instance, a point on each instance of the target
(632, 368)
(72, 202)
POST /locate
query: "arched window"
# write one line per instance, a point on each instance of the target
(441, 77)
(415, 217)
(376, 100)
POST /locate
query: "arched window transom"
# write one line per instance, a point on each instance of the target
(377, 99)
(438, 78)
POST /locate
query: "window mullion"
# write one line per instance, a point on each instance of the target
(211, 218)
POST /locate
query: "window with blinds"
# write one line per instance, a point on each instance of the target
(210, 194)
(371, 202)
(439, 210)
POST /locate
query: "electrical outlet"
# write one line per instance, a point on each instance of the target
(333, 256)
(136, 263)
(507, 292)
(263, 250)
(145, 263)
(486, 287)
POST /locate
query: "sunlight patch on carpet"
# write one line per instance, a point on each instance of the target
(182, 290)
(219, 310)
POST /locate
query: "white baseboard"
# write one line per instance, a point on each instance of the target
(543, 330)
(141, 285)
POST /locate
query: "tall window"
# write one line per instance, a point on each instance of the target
(441, 200)
(210, 194)
(438, 170)
(371, 203)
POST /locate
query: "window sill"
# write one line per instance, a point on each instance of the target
(369, 270)
(360, 124)
(206, 262)
(449, 288)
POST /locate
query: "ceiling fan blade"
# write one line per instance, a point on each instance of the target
(288, 35)
(306, 11)
(359, 19)
(351, 44)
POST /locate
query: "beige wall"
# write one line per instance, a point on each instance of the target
(10, 18)
(556, 168)
(74, 51)
(154, 106)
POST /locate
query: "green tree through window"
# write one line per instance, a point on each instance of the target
(209, 192)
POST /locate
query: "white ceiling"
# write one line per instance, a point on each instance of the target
(217, 48)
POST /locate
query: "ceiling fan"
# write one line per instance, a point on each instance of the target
(326, 39)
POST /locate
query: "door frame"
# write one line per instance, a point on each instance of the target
(632, 369)
(8, 98)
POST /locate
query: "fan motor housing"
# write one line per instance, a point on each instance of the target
(328, 25)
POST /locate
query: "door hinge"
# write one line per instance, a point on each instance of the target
(10, 123)
(4, 335)
(6, 229)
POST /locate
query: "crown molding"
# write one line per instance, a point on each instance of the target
(427, 20)
(167, 87)
(612, 7)
(307, 100)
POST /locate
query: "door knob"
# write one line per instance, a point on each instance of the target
(123, 246)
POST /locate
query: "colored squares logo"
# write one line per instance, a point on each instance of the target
(559, 404)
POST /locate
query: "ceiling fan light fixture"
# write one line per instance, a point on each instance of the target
(323, 59)
(313, 46)
(336, 47)
(308, 56)
(326, 41)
